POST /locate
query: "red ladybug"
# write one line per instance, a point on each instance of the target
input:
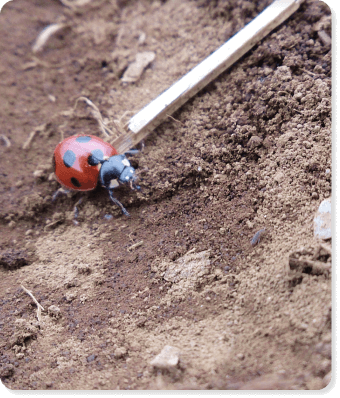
(81, 161)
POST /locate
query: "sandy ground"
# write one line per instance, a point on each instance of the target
(180, 295)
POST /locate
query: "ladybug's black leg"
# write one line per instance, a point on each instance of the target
(75, 209)
(135, 151)
(60, 191)
(131, 152)
(116, 201)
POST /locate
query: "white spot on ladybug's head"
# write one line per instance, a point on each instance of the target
(126, 162)
(127, 177)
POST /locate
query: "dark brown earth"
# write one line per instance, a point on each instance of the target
(252, 151)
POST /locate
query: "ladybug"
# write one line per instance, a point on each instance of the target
(80, 161)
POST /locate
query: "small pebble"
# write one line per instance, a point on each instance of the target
(6, 370)
(38, 173)
(19, 183)
(29, 232)
(108, 217)
(254, 141)
(168, 358)
(257, 236)
(91, 358)
(19, 355)
(240, 356)
(120, 352)
(250, 225)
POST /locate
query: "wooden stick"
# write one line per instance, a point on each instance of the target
(170, 100)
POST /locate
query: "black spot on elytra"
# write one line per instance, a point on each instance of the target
(96, 157)
(75, 182)
(69, 158)
(83, 139)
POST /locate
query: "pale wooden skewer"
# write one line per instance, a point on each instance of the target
(170, 100)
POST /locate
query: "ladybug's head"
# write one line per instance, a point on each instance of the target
(117, 170)
(127, 175)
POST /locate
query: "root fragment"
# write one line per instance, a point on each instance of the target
(75, 3)
(38, 129)
(39, 307)
(45, 34)
(98, 116)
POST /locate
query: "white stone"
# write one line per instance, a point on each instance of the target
(323, 220)
(168, 358)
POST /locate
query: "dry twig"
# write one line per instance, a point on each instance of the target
(5, 139)
(134, 246)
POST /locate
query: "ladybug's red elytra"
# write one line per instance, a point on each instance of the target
(80, 161)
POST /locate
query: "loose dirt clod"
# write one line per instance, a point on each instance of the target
(6, 370)
(12, 259)
(54, 311)
(309, 261)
